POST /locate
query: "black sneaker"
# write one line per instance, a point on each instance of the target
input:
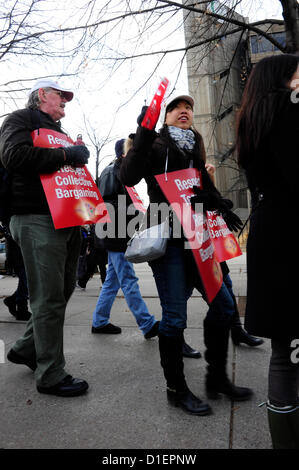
(108, 329)
(68, 387)
(81, 284)
(188, 402)
(23, 315)
(11, 304)
(190, 352)
(16, 358)
(226, 387)
(153, 331)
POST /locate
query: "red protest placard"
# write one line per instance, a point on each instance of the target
(225, 243)
(71, 193)
(136, 199)
(73, 197)
(153, 111)
(178, 190)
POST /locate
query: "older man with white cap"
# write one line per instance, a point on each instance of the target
(50, 255)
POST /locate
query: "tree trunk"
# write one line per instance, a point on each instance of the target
(290, 14)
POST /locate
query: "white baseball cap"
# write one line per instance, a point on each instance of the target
(46, 83)
(170, 100)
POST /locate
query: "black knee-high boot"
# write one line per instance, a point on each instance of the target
(178, 393)
(217, 382)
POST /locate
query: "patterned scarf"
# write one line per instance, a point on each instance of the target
(184, 138)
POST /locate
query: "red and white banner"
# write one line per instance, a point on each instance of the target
(136, 199)
(178, 188)
(72, 194)
(153, 111)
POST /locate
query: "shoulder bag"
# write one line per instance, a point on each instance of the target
(148, 244)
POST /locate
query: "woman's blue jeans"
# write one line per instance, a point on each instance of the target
(175, 288)
(121, 274)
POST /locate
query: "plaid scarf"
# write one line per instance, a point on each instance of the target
(184, 138)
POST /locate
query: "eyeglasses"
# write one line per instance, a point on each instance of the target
(60, 93)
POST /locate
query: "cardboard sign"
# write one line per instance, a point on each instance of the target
(137, 201)
(178, 188)
(72, 195)
(153, 111)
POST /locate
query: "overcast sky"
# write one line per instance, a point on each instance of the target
(120, 88)
(98, 98)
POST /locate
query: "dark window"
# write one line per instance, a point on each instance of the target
(260, 44)
(254, 45)
(281, 38)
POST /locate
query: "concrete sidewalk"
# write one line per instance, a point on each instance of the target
(126, 406)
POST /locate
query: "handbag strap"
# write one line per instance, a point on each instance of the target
(166, 166)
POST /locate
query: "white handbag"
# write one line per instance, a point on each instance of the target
(148, 244)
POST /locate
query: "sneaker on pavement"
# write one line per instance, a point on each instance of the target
(108, 329)
(153, 331)
(16, 358)
(68, 387)
(80, 287)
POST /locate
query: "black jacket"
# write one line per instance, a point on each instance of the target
(151, 155)
(272, 252)
(25, 163)
(154, 153)
(117, 237)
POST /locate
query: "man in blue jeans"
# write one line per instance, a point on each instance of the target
(120, 273)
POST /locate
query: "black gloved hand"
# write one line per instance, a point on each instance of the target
(141, 115)
(76, 155)
(209, 199)
(233, 222)
(228, 203)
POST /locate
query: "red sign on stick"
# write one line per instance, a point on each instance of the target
(178, 188)
(153, 111)
(137, 201)
(72, 195)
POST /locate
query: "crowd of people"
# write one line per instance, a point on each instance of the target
(267, 129)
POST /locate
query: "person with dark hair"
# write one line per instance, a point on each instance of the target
(179, 146)
(188, 351)
(120, 272)
(50, 256)
(17, 302)
(267, 144)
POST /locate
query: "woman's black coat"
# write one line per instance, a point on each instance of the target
(272, 248)
(151, 154)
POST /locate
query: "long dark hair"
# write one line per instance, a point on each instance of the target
(263, 94)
